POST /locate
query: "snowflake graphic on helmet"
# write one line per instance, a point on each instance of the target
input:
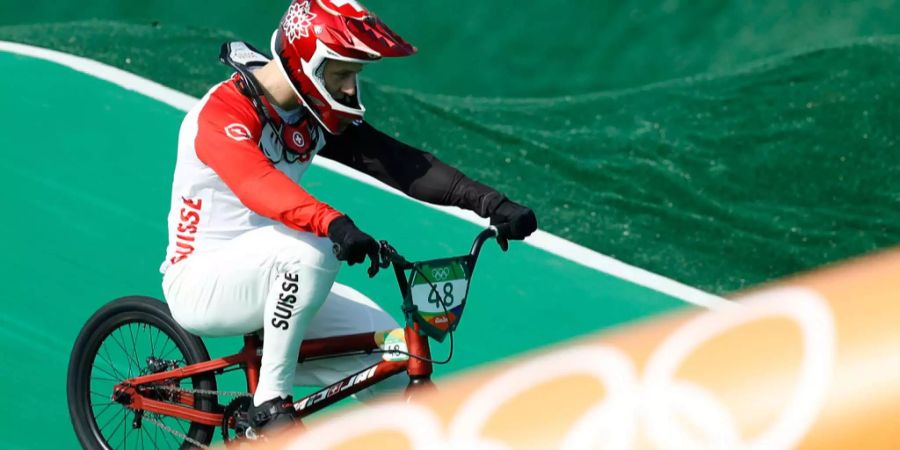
(297, 21)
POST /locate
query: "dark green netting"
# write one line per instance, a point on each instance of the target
(720, 181)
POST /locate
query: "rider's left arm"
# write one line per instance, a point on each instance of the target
(416, 173)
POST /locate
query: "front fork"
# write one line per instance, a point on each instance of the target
(419, 386)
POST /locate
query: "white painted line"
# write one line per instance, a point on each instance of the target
(563, 248)
(129, 81)
(541, 239)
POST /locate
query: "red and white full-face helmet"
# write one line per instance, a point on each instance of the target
(313, 31)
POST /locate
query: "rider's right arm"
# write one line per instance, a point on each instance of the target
(227, 134)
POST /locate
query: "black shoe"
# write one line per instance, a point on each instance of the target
(273, 415)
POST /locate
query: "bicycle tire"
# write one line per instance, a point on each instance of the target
(108, 319)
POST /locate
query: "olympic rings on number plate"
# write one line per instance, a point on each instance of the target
(440, 273)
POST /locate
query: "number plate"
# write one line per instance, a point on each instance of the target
(438, 290)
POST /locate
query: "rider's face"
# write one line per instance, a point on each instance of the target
(340, 79)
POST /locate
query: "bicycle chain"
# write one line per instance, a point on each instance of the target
(175, 432)
(181, 435)
(203, 391)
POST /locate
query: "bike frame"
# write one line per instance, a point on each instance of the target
(418, 366)
(249, 359)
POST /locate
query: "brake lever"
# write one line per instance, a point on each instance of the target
(503, 243)
(373, 268)
(381, 260)
(384, 251)
(501, 231)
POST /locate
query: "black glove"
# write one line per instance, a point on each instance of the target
(513, 220)
(351, 244)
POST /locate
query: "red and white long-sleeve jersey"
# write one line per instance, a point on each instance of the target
(232, 175)
(235, 174)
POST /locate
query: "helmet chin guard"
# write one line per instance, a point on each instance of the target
(314, 31)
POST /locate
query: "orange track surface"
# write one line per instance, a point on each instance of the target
(812, 362)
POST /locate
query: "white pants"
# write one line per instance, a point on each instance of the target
(281, 281)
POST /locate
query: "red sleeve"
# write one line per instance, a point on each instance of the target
(227, 134)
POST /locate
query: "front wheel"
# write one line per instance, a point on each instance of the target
(129, 337)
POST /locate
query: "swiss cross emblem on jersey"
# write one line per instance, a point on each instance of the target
(290, 143)
(297, 140)
(297, 21)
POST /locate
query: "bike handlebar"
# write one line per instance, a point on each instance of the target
(482, 237)
(387, 255)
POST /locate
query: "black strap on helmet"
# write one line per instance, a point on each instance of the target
(244, 58)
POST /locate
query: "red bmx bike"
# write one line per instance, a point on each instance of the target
(136, 379)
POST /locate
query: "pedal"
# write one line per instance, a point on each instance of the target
(236, 427)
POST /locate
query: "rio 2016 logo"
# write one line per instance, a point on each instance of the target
(645, 400)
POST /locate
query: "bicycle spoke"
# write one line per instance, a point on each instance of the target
(133, 346)
(132, 357)
(146, 434)
(170, 352)
(105, 379)
(104, 405)
(122, 346)
(150, 340)
(181, 424)
(118, 341)
(164, 346)
(112, 420)
(105, 424)
(100, 395)
(125, 430)
(105, 408)
(175, 439)
(155, 435)
(135, 341)
(129, 355)
(156, 339)
(106, 372)
(105, 359)
(134, 434)
(172, 422)
(108, 360)
(171, 436)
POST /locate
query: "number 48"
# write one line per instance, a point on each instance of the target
(434, 298)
